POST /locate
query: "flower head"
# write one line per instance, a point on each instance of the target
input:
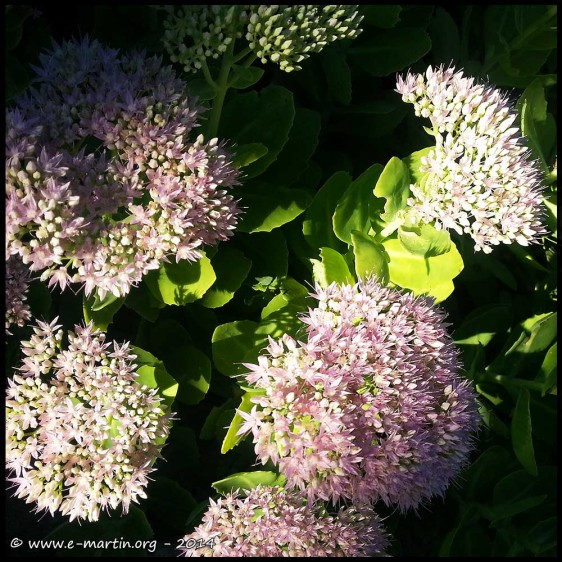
(102, 180)
(480, 178)
(285, 35)
(272, 521)
(81, 433)
(370, 406)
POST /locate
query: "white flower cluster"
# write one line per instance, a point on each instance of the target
(480, 178)
(81, 433)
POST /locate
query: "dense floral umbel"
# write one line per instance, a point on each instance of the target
(81, 432)
(102, 181)
(196, 33)
(370, 406)
(17, 283)
(481, 178)
(272, 521)
(285, 35)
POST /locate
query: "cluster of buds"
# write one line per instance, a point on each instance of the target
(102, 181)
(284, 35)
(82, 433)
(17, 283)
(272, 521)
(371, 406)
(480, 178)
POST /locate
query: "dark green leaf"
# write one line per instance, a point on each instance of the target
(294, 158)
(380, 16)
(201, 89)
(445, 38)
(244, 76)
(102, 317)
(269, 207)
(482, 324)
(338, 76)
(16, 75)
(143, 302)
(317, 226)
(231, 343)
(391, 50)
(266, 118)
(543, 536)
(231, 268)
(521, 433)
(246, 154)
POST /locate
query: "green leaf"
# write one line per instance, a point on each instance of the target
(269, 207)
(370, 257)
(103, 316)
(244, 76)
(157, 377)
(543, 536)
(542, 330)
(394, 185)
(268, 252)
(548, 371)
(521, 433)
(338, 76)
(182, 282)
(391, 50)
(188, 365)
(231, 342)
(170, 503)
(232, 438)
(294, 158)
(246, 154)
(532, 108)
(425, 240)
(17, 77)
(317, 226)
(482, 324)
(381, 16)
(430, 276)
(201, 89)
(445, 38)
(248, 481)
(414, 163)
(231, 268)
(331, 268)
(266, 118)
(143, 302)
(352, 210)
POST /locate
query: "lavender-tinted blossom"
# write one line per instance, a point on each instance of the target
(81, 433)
(480, 178)
(370, 406)
(17, 283)
(272, 521)
(102, 181)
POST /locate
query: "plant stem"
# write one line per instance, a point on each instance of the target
(222, 87)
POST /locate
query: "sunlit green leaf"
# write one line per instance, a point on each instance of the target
(370, 257)
(331, 268)
(248, 481)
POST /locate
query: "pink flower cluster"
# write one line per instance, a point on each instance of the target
(102, 181)
(371, 406)
(272, 521)
(480, 179)
(81, 432)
